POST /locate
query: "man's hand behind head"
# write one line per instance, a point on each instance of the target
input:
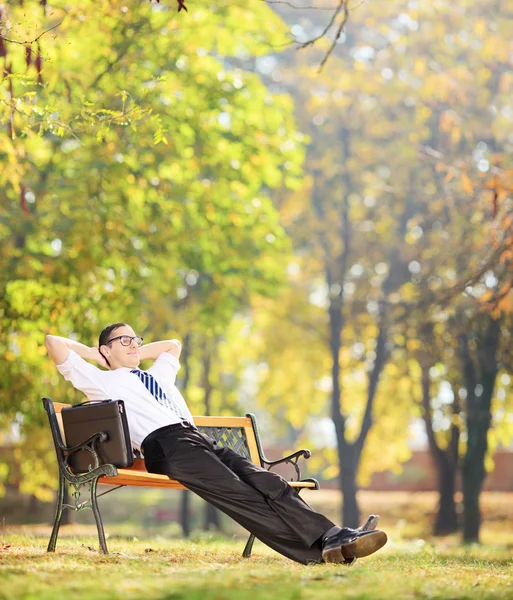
(97, 356)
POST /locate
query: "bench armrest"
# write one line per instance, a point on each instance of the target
(291, 459)
(89, 445)
(101, 436)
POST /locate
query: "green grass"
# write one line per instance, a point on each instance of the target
(213, 569)
(160, 565)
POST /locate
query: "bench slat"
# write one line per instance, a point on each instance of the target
(144, 479)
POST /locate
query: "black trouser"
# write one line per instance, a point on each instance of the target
(259, 500)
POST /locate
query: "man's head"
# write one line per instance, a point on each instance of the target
(119, 346)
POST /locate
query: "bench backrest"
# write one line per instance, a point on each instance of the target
(237, 433)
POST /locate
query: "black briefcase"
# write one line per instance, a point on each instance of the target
(82, 421)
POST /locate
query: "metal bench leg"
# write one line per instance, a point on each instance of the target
(249, 546)
(58, 515)
(98, 517)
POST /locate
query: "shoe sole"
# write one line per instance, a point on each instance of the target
(365, 545)
(361, 547)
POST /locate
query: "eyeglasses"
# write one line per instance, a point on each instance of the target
(126, 340)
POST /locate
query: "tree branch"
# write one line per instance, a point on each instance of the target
(343, 9)
(289, 4)
(29, 42)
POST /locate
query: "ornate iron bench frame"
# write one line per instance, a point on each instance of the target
(238, 433)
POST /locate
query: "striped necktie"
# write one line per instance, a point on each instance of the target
(151, 384)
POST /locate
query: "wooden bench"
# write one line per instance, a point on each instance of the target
(238, 433)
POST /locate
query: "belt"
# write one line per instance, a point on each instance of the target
(174, 427)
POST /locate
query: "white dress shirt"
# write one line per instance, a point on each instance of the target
(144, 412)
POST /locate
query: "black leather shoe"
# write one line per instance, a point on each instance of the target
(370, 523)
(348, 544)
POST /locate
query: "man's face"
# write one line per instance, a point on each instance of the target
(118, 353)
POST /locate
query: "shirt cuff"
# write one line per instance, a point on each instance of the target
(169, 359)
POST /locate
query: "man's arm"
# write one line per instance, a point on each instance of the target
(155, 349)
(59, 348)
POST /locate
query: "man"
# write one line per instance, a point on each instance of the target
(162, 426)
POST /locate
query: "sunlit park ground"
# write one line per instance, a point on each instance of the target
(210, 567)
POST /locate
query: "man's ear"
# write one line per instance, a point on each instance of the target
(105, 352)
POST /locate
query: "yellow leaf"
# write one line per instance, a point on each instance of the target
(413, 344)
(455, 134)
(466, 183)
(480, 27)
(449, 176)
(419, 67)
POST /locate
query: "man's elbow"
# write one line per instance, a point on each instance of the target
(49, 341)
(175, 348)
(56, 349)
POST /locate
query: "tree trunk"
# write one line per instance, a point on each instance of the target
(473, 474)
(345, 459)
(446, 521)
(472, 481)
(445, 461)
(349, 454)
(348, 485)
(335, 269)
(185, 513)
(479, 419)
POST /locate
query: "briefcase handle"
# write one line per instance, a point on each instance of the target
(91, 402)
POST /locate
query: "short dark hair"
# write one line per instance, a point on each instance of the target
(105, 337)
